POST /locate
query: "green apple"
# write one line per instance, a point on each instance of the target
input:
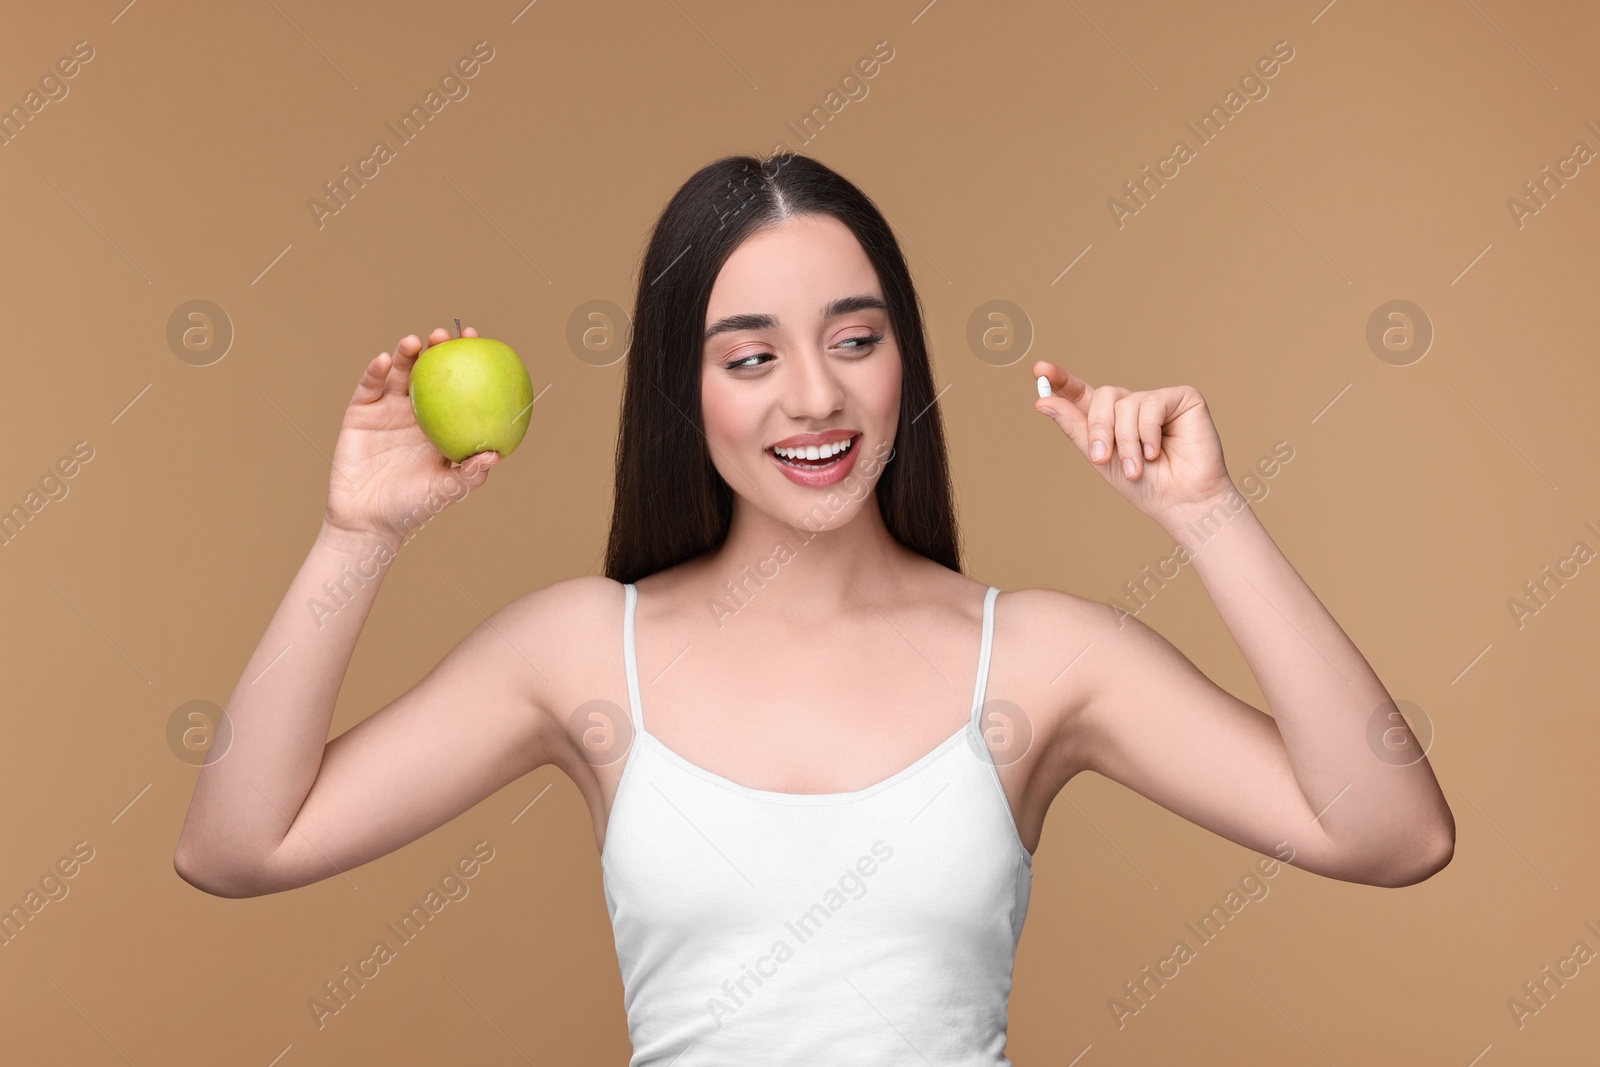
(471, 395)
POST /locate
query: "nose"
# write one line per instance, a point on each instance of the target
(812, 391)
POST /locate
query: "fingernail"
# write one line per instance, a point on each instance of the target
(1149, 451)
(1128, 467)
(1097, 450)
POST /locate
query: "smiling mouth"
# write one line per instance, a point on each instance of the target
(796, 456)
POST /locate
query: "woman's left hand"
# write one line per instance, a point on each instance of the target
(1158, 448)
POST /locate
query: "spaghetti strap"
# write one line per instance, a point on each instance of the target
(630, 600)
(981, 685)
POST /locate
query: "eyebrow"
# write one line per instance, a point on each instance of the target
(756, 321)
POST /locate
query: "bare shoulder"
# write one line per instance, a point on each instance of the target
(564, 631)
(570, 601)
(1050, 627)
(1123, 669)
(1049, 647)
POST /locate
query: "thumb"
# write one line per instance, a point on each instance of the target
(474, 470)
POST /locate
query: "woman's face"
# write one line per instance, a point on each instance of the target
(800, 346)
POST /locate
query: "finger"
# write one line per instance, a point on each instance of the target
(439, 336)
(1152, 416)
(405, 355)
(1125, 417)
(1064, 383)
(370, 387)
(1101, 411)
(468, 331)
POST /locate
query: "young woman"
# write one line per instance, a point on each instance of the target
(818, 757)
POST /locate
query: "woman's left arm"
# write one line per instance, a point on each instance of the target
(1387, 818)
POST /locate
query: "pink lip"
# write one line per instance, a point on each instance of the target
(816, 479)
(801, 440)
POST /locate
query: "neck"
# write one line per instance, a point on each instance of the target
(812, 568)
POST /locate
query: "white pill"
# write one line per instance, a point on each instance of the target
(1044, 387)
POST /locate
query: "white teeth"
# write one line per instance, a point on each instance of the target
(815, 451)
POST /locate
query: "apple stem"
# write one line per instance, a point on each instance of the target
(458, 327)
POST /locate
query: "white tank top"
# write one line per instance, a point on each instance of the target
(875, 926)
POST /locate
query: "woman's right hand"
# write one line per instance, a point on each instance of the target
(385, 470)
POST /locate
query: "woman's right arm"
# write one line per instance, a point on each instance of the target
(279, 806)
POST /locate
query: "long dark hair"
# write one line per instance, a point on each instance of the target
(670, 503)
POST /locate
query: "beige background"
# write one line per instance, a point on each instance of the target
(1419, 499)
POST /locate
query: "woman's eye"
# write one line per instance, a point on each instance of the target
(854, 344)
(864, 342)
